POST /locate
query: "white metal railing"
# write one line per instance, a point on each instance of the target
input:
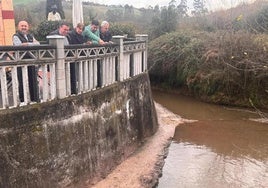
(20, 71)
(94, 67)
(42, 73)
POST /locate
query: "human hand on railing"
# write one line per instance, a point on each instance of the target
(8, 69)
(88, 42)
(110, 42)
(101, 42)
(25, 44)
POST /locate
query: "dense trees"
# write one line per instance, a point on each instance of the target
(114, 14)
(119, 13)
(165, 20)
(182, 9)
(199, 7)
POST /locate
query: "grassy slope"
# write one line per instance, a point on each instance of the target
(98, 10)
(17, 2)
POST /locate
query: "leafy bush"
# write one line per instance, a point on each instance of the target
(122, 29)
(44, 28)
(174, 51)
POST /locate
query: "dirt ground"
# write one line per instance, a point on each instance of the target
(143, 167)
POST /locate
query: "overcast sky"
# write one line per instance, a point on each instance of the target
(211, 4)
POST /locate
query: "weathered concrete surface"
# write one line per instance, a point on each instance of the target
(144, 167)
(58, 143)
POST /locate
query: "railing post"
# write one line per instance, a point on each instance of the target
(143, 37)
(119, 40)
(58, 41)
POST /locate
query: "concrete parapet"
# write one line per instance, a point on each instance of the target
(58, 143)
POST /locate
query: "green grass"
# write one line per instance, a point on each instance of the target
(18, 2)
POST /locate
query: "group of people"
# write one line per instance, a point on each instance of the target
(81, 34)
(94, 33)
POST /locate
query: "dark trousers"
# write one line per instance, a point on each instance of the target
(99, 73)
(73, 72)
(33, 83)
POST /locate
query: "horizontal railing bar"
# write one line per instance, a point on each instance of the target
(23, 62)
(16, 48)
(80, 46)
(90, 58)
(134, 42)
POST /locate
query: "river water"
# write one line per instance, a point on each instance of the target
(224, 148)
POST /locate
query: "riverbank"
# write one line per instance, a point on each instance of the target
(143, 167)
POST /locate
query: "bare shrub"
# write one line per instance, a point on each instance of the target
(223, 67)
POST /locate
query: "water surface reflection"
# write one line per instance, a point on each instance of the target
(222, 149)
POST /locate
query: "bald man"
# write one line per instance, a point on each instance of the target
(22, 37)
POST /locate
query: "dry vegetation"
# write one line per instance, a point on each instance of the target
(220, 58)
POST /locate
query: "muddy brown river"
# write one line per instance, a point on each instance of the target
(225, 147)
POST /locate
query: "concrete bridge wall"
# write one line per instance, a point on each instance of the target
(61, 142)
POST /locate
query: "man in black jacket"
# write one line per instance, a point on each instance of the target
(105, 34)
(62, 30)
(23, 38)
(75, 37)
